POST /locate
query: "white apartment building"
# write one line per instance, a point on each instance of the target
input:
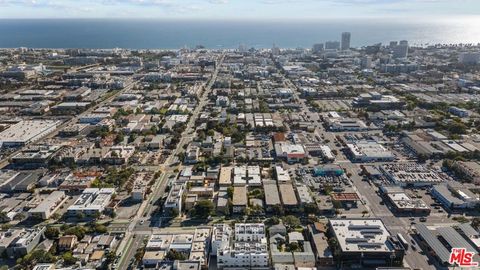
(174, 199)
(221, 236)
(249, 232)
(247, 251)
(244, 256)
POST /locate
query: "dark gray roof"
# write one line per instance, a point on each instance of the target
(454, 239)
(467, 229)
(433, 242)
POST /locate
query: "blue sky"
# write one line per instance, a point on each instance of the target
(238, 9)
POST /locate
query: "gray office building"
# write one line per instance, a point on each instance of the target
(346, 41)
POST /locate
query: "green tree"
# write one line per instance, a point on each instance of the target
(203, 209)
(110, 258)
(68, 258)
(139, 254)
(291, 222)
(327, 189)
(99, 228)
(272, 221)
(278, 210)
(311, 208)
(457, 128)
(230, 192)
(78, 231)
(52, 233)
(422, 158)
(132, 137)
(293, 247)
(173, 212)
(476, 223)
(34, 257)
(80, 215)
(173, 255)
(119, 138)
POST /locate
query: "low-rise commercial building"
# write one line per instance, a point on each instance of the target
(410, 175)
(92, 201)
(377, 101)
(364, 242)
(25, 132)
(369, 151)
(290, 152)
(346, 124)
(46, 208)
(328, 170)
(70, 108)
(402, 203)
(346, 200)
(470, 169)
(455, 197)
(438, 241)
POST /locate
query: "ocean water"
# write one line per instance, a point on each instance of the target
(173, 34)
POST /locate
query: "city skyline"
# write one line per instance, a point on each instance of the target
(234, 9)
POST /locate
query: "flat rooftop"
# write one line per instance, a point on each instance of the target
(27, 131)
(361, 235)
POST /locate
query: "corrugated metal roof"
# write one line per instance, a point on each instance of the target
(433, 242)
(467, 229)
(454, 239)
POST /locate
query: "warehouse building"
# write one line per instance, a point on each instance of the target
(410, 174)
(403, 203)
(21, 181)
(25, 132)
(455, 197)
(439, 240)
(369, 151)
(470, 169)
(46, 208)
